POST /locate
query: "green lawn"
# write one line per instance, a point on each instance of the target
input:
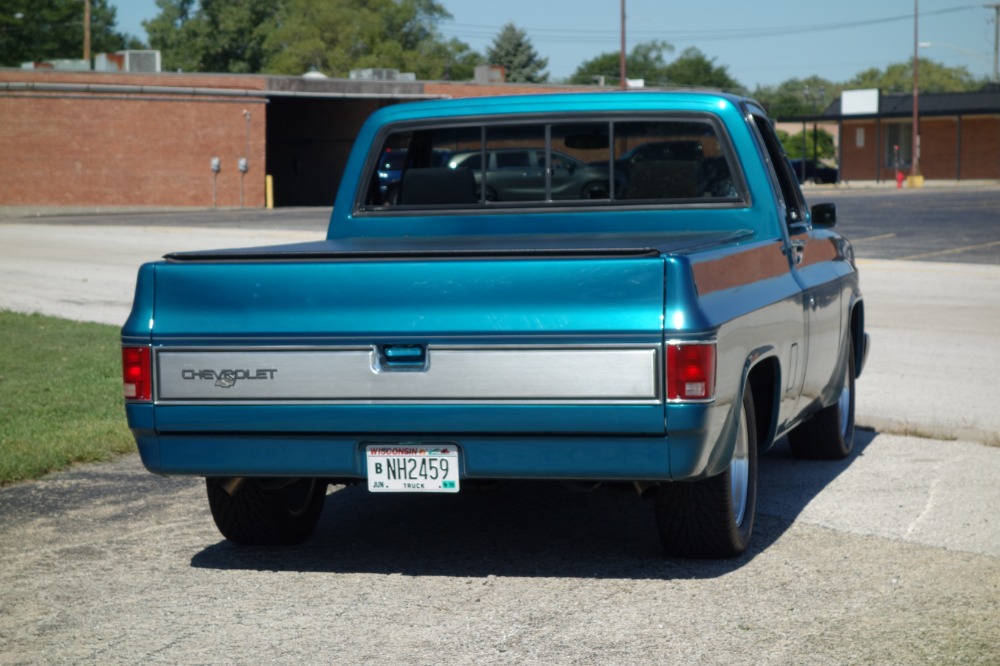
(60, 395)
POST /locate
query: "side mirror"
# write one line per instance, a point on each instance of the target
(824, 215)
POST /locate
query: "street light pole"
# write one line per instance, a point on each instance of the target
(996, 39)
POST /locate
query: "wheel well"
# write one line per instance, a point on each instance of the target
(763, 381)
(857, 335)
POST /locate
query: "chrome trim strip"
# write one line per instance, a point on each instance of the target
(689, 401)
(554, 402)
(332, 342)
(579, 374)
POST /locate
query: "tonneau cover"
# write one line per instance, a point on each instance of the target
(466, 246)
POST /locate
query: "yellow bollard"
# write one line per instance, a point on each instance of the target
(269, 191)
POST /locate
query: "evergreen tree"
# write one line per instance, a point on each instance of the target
(513, 50)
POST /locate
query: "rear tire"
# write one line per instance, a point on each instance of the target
(829, 434)
(265, 512)
(713, 518)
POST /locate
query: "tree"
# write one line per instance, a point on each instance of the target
(453, 60)
(212, 35)
(646, 62)
(340, 35)
(172, 32)
(233, 34)
(33, 30)
(512, 49)
(933, 77)
(294, 36)
(822, 147)
(693, 68)
(798, 97)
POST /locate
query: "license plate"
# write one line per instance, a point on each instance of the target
(412, 468)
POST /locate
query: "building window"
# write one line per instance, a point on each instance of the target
(898, 145)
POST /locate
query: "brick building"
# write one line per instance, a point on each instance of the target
(129, 139)
(125, 139)
(959, 136)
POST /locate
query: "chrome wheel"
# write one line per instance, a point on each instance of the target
(846, 413)
(739, 471)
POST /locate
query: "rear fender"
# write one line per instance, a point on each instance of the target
(694, 454)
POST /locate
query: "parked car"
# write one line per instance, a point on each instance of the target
(679, 170)
(518, 174)
(390, 170)
(814, 172)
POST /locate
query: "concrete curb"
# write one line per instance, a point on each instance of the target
(19, 212)
(891, 185)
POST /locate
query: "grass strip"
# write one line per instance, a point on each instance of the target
(60, 395)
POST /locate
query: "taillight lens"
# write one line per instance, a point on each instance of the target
(137, 379)
(691, 371)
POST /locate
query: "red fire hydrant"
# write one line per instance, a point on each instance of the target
(899, 179)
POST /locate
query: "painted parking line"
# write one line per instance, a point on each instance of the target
(954, 250)
(872, 238)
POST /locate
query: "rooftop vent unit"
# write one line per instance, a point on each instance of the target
(63, 65)
(490, 74)
(381, 74)
(128, 61)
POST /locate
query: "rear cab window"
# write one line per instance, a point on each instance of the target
(679, 160)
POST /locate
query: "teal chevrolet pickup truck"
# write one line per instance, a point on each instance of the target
(600, 289)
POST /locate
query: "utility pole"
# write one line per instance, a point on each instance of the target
(996, 39)
(621, 56)
(86, 32)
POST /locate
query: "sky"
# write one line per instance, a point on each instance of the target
(761, 43)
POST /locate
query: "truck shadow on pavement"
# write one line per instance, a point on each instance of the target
(524, 529)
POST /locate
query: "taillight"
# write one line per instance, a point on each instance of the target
(691, 371)
(137, 378)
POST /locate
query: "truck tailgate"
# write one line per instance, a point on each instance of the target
(561, 343)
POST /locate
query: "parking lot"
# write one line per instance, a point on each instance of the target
(956, 225)
(892, 556)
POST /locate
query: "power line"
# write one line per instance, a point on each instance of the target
(470, 30)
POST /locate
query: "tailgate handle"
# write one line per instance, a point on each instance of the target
(394, 358)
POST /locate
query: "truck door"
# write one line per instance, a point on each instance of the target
(817, 263)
